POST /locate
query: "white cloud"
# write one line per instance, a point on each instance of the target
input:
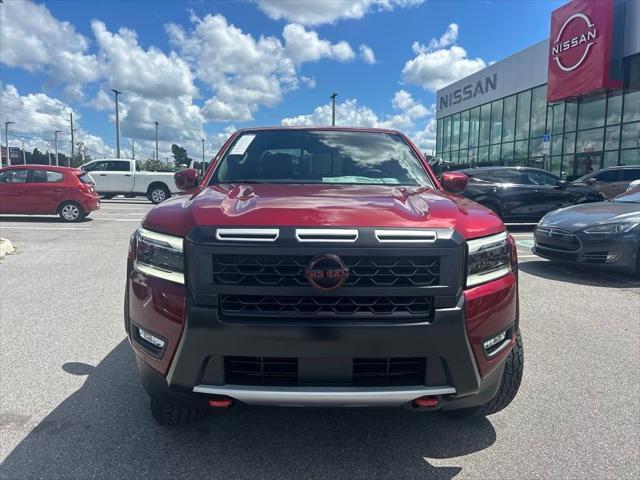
(303, 45)
(128, 67)
(246, 73)
(317, 12)
(350, 113)
(38, 116)
(32, 39)
(366, 53)
(347, 113)
(410, 118)
(425, 139)
(440, 63)
(447, 39)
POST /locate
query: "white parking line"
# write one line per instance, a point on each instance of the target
(15, 227)
(139, 219)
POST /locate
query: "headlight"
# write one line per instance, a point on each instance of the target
(489, 258)
(608, 228)
(158, 255)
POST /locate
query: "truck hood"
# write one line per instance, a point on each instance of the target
(322, 205)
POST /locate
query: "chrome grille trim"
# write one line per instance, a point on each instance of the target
(406, 236)
(326, 235)
(247, 234)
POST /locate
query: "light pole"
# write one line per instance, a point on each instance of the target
(55, 135)
(202, 166)
(117, 122)
(333, 108)
(73, 151)
(6, 140)
(157, 158)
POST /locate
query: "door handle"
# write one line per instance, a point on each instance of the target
(57, 190)
(103, 174)
(127, 174)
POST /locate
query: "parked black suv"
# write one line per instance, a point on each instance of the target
(521, 194)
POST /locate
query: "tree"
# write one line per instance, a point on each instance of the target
(180, 155)
(152, 165)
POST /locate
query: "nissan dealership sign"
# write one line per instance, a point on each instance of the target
(584, 49)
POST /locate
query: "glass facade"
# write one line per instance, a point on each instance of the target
(585, 134)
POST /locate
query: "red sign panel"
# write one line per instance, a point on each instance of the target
(581, 49)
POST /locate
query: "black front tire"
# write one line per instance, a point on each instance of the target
(158, 194)
(71, 212)
(169, 414)
(511, 379)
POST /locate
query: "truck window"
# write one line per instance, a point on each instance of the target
(101, 166)
(321, 157)
(119, 166)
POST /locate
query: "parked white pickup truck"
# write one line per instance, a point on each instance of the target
(120, 176)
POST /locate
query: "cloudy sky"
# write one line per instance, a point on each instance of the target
(204, 68)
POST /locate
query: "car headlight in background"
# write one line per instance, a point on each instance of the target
(490, 258)
(158, 255)
(609, 228)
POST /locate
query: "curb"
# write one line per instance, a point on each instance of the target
(6, 247)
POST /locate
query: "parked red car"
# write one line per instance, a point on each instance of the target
(47, 190)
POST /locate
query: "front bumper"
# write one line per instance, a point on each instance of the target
(191, 368)
(618, 251)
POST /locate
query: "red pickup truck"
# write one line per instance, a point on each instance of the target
(323, 267)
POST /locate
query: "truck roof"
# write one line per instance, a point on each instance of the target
(322, 128)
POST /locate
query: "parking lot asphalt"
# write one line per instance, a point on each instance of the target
(72, 405)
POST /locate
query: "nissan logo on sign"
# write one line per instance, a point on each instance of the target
(585, 54)
(569, 51)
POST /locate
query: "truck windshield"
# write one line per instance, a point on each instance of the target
(321, 157)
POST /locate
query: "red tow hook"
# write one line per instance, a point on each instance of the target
(426, 402)
(220, 402)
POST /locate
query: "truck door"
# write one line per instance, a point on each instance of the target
(100, 173)
(121, 176)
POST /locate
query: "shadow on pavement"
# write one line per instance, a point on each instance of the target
(577, 274)
(105, 430)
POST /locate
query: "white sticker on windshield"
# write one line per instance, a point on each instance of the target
(241, 145)
(358, 179)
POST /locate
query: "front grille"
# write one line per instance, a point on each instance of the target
(557, 239)
(269, 371)
(375, 372)
(288, 271)
(595, 257)
(281, 306)
(366, 372)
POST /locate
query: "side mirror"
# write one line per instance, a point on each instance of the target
(591, 180)
(562, 184)
(454, 182)
(186, 180)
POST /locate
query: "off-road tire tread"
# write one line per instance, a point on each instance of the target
(511, 378)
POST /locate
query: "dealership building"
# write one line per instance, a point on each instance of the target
(569, 104)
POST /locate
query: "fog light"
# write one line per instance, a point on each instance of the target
(152, 339)
(492, 342)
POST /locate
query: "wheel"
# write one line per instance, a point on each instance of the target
(168, 414)
(158, 194)
(71, 212)
(509, 386)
